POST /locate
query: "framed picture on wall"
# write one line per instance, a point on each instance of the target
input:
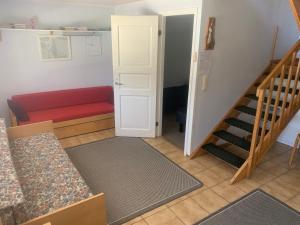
(54, 47)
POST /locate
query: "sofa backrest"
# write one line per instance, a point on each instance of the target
(64, 98)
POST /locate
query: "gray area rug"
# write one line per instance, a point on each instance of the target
(134, 177)
(256, 208)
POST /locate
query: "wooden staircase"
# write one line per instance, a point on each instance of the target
(253, 124)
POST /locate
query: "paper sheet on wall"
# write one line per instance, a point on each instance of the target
(54, 47)
(94, 46)
(205, 62)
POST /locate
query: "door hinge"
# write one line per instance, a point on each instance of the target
(159, 32)
(157, 124)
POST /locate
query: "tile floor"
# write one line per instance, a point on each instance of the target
(273, 176)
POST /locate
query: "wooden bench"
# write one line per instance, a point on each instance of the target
(76, 127)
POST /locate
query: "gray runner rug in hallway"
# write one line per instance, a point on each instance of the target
(256, 208)
(134, 177)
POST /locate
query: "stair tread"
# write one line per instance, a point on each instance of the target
(252, 111)
(283, 89)
(233, 139)
(224, 155)
(240, 124)
(247, 110)
(255, 98)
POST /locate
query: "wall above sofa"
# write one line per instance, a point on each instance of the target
(22, 71)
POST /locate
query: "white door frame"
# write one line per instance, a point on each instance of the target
(193, 72)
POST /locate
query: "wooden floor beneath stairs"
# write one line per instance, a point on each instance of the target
(273, 176)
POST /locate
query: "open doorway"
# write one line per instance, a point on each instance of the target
(176, 76)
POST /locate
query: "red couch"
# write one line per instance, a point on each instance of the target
(64, 105)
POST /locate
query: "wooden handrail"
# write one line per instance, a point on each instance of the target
(271, 118)
(278, 67)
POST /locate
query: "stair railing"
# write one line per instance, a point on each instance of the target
(278, 101)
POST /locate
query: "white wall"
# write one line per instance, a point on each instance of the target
(54, 15)
(22, 71)
(288, 29)
(179, 36)
(244, 33)
(154, 6)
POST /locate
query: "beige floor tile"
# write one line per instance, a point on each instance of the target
(292, 178)
(223, 170)
(164, 217)
(228, 192)
(261, 176)
(167, 148)
(189, 211)
(142, 222)
(192, 167)
(155, 141)
(177, 157)
(208, 161)
(210, 201)
(134, 221)
(247, 185)
(150, 213)
(274, 168)
(209, 178)
(191, 194)
(174, 202)
(295, 202)
(280, 189)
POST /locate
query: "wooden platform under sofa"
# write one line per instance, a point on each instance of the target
(43, 187)
(74, 112)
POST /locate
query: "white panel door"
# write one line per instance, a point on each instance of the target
(135, 49)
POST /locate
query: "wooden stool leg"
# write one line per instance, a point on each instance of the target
(293, 153)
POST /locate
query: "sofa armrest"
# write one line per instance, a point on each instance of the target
(88, 212)
(30, 130)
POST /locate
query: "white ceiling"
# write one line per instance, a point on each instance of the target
(95, 2)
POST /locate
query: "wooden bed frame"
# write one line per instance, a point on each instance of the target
(76, 127)
(90, 211)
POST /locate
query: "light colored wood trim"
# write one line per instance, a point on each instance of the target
(261, 96)
(87, 212)
(296, 81)
(284, 111)
(83, 120)
(274, 45)
(13, 119)
(294, 150)
(84, 128)
(30, 129)
(47, 224)
(241, 173)
(80, 126)
(295, 5)
(282, 74)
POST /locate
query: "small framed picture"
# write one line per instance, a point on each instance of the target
(54, 47)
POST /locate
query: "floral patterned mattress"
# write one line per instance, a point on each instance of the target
(48, 178)
(10, 190)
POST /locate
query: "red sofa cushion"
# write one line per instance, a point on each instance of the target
(64, 98)
(70, 112)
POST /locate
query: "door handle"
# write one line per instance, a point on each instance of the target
(119, 84)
